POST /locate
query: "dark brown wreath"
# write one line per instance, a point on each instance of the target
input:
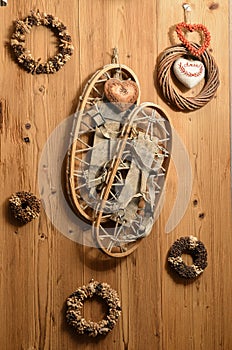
(24, 206)
(75, 304)
(23, 55)
(190, 245)
(169, 56)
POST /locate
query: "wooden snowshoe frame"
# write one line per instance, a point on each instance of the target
(120, 241)
(93, 93)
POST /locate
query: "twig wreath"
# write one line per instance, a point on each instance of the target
(196, 249)
(189, 51)
(25, 206)
(75, 304)
(23, 55)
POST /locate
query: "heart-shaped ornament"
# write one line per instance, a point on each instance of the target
(189, 72)
(193, 28)
(123, 93)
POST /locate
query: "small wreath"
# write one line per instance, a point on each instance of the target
(75, 303)
(24, 206)
(165, 64)
(196, 249)
(24, 57)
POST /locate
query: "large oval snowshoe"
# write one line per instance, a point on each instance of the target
(134, 182)
(95, 118)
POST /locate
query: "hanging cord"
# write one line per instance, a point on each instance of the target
(187, 12)
(187, 15)
(115, 57)
(115, 60)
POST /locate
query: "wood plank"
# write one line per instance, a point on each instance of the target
(40, 267)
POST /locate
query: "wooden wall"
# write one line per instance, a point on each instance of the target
(39, 266)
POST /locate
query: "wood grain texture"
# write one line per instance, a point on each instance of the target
(40, 267)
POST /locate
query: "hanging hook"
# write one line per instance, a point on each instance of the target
(3, 2)
(187, 12)
(115, 58)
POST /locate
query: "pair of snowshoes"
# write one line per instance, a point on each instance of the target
(118, 159)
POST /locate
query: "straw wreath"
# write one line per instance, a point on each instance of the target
(174, 98)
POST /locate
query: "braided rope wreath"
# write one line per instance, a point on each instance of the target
(190, 245)
(23, 55)
(75, 304)
(169, 56)
(24, 206)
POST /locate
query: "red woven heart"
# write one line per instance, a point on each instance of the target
(192, 28)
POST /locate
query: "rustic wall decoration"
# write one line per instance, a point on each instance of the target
(181, 60)
(118, 159)
(189, 245)
(169, 59)
(75, 303)
(40, 267)
(24, 206)
(23, 55)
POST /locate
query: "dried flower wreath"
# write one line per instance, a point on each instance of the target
(23, 55)
(196, 249)
(24, 206)
(75, 303)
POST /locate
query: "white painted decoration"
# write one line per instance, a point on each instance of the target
(189, 72)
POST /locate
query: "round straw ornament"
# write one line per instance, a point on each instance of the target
(165, 81)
